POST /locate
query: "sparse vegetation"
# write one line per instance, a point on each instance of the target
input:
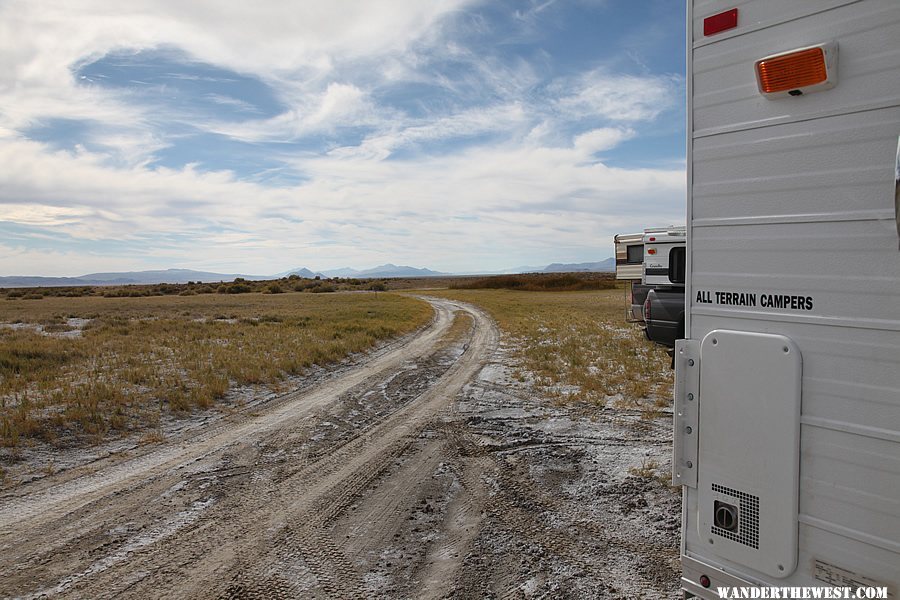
(651, 470)
(647, 470)
(239, 286)
(542, 282)
(137, 358)
(578, 347)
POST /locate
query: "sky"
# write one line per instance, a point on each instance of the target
(257, 137)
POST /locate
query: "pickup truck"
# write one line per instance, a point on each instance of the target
(664, 315)
(638, 296)
(664, 306)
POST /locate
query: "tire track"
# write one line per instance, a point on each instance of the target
(260, 510)
(325, 501)
(55, 501)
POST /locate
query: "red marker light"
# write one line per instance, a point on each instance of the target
(651, 251)
(720, 22)
(704, 581)
(653, 239)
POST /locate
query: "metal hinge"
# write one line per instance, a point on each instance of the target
(687, 412)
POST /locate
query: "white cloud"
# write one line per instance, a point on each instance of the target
(618, 97)
(279, 42)
(597, 140)
(494, 119)
(18, 260)
(340, 104)
(486, 200)
(505, 170)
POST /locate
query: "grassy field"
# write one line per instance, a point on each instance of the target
(74, 369)
(578, 345)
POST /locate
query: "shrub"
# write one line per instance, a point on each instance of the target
(139, 360)
(322, 289)
(239, 288)
(543, 282)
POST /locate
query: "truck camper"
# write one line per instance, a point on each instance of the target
(787, 390)
(664, 255)
(658, 243)
(629, 268)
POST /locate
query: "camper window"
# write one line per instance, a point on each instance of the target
(676, 265)
(635, 254)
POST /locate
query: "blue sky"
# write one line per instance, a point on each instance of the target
(257, 137)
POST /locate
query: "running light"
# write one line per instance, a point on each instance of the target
(798, 72)
(720, 22)
(651, 251)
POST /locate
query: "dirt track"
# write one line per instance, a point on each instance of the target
(424, 471)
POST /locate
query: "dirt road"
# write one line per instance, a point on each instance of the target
(423, 471)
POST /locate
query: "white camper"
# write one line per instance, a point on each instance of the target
(658, 243)
(629, 255)
(787, 393)
(629, 267)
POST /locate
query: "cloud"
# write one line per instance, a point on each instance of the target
(233, 102)
(507, 195)
(387, 131)
(339, 105)
(281, 43)
(617, 97)
(17, 260)
(597, 140)
(465, 124)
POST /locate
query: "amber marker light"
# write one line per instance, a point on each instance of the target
(798, 72)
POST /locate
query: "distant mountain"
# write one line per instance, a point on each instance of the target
(124, 278)
(390, 270)
(185, 275)
(603, 266)
(26, 281)
(524, 269)
(342, 272)
(167, 276)
(300, 272)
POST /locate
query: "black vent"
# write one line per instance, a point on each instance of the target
(748, 517)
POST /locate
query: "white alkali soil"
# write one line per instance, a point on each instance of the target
(423, 471)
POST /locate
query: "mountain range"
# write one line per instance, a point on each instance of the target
(186, 275)
(388, 270)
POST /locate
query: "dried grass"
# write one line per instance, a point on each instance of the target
(578, 347)
(138, 358)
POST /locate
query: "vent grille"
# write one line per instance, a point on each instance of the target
(748, 517)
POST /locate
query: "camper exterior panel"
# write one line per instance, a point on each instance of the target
(784, 172)
(754, 15)
(725, 91)
(626, 268)
(792, 231)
